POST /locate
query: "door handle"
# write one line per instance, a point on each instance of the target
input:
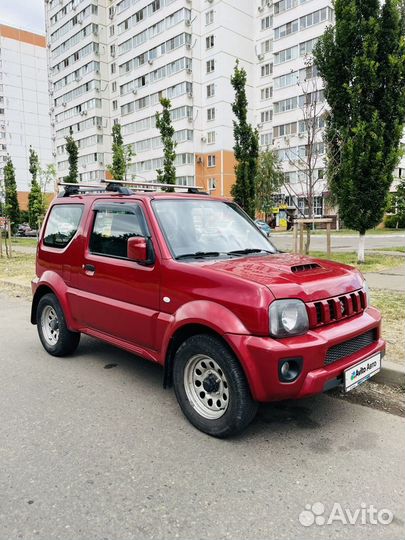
(89, 269)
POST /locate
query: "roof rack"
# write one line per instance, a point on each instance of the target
(122, 187)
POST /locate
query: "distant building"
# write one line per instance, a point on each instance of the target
(24, 103)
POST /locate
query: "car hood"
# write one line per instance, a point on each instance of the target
(293, 276)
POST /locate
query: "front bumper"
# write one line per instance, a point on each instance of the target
(260, 357)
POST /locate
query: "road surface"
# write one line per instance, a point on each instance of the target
(92, 447)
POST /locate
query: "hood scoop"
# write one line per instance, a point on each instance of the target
(305, 267)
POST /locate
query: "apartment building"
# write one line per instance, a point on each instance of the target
(24, 103)
(112, 60)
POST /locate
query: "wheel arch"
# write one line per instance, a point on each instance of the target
(41, 291)
(180, 335)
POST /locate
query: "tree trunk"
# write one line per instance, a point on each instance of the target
(360, 253)
(308, 239)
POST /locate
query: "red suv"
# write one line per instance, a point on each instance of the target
(188, 281)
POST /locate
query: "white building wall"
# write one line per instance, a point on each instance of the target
(24, 106)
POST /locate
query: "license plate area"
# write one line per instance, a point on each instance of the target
(361, 372)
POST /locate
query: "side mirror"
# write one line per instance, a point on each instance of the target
(138, 249)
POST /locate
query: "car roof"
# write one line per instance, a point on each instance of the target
(90, 197)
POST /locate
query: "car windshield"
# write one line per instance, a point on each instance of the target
(201, 227)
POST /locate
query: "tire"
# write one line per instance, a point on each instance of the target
(55, 336)
(211, 387)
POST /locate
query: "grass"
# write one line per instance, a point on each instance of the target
(350, 232)
(392, 307)
(399, 249)
(374, 262)
(18, 270)
(30, 242)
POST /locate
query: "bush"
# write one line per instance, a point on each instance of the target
(394, 221)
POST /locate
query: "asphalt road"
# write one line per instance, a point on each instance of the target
(342, 243)
(93, 453)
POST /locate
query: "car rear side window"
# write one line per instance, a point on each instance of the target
(112, 228)
(62, 224)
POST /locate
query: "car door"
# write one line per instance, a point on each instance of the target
(114, 295)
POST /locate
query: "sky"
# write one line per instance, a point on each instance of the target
(25, 14)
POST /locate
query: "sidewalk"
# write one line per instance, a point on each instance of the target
(392, 279)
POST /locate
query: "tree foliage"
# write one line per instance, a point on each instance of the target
(11, 206)
(36, 199)
(362, 62)
(246, 146)
(118, 169)
(73, 155)
(269, 179)
(164, 125)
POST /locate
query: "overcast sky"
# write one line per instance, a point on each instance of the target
(26, 14)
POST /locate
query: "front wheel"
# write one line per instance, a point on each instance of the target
(53, 332)
(211, 387)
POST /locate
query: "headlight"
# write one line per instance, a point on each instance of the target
(288, 318)
(367, 292)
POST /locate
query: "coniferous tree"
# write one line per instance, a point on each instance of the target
(36, 202)
(118, 169)
(164, 125)
(362, 62)
(246, 147)
(73, 155)
(11, 206)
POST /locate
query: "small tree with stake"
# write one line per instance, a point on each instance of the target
(362, 63)
(269, 179)
(164, 125)
(11, 206)
(73, 156)
(246, 147)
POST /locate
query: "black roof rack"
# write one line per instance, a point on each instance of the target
(123, 187)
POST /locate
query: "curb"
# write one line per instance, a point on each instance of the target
(391, 374)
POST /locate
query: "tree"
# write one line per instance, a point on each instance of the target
(73, 155)
(36, 201)
(307, 158)
(246, 146)
(11, 206)
(118, 169)
(362, 62)
(164, 125)
(269, 179)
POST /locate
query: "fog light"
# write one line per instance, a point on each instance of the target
(289, 369)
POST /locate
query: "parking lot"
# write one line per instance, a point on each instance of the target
(93, 447)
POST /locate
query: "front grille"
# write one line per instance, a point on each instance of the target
(334, 309)
(347, 348)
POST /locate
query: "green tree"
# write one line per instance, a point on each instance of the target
(36, 201)
(11, 206)
(118, 169)
(269, 179)
(165, 126)
(73, 156)
(362, 62)
(246, 147)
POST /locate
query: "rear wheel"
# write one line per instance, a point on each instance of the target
(53, 332)
(211, 387)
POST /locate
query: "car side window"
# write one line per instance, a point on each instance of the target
(62, 224)
(112, 228)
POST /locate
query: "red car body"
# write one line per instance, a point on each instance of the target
(125, 304)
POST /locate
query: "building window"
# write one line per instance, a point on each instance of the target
(266, 116)
(211, 113)
(267, 22)
(265, 139)
(211, 160)
(212, 184)
(210, 66)
(266, 93)
(211, 137)
(112, 30)
(266, 46)
(318, 206)
(209, 17)
(114, 86)
(113, 67)
(115, 105)
(266, 69)
(211, 90)
(209, 42)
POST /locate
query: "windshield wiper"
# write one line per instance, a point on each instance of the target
(199, 255)
(247, 251)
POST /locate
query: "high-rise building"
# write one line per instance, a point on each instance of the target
(112, 60)
(24, 103)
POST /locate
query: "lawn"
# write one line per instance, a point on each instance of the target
(399, 249)
(19, 270)
(374, 262)
(29, 242)
(392, 306)
(349, 232)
